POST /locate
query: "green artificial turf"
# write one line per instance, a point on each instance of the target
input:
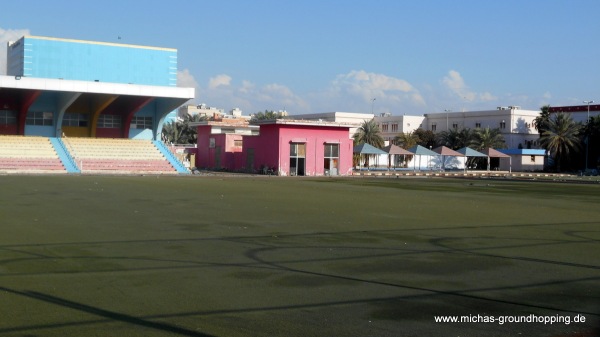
(274, 256)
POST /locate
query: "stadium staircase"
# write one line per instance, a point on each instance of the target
(178, 165)
(19, 154)
(111, 155)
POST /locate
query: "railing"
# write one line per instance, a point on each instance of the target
(65, 155)
(178, 165)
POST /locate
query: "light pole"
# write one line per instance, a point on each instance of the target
(587, 138)
(372, 102)
(447, 111)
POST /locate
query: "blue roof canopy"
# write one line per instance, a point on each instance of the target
(365, 148)
(469, 152)
(422, 151)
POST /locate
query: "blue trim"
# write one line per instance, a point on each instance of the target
(181, 169)
(64, 155)
(524, 152)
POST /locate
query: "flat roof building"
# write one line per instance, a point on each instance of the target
(287, 147)
(579, 113)
(514, 123)
(48, 57)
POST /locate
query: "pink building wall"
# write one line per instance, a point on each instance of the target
(221, 154)
(271, 148)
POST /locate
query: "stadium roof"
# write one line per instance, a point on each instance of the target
(20, 93)
(130, 89)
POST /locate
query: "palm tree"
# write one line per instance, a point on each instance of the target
(456, 138)
(488, 138)
(591, 135)
(406, 140)
(172, 132)
(541, 122)
(561, 137)
(368, 132)
(425, 138)
(267, 115)
(180, 131)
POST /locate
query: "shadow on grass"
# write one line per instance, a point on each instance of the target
(256, 260)
(111, 315)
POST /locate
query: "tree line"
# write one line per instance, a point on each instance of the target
(477, 139)
(571, 145)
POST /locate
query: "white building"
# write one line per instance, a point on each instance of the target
(515, 124)
(200, 109)
(579, 113)
(391, 126)
(354, 118)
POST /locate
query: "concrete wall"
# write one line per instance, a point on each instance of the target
(92, 61)
(315, 140)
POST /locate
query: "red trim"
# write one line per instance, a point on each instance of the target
(27, 100)
(134, 108)
(575, 108)
(8, 129)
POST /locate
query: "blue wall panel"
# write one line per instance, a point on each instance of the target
(91, 61)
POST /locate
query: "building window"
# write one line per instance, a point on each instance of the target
(8, 117)
(141, 122)
(395, 127)
(433, 127)
(455, 125)
(109, 121)
(332, 159)
(39, 118)
(237, 143)
(503, 125)
(297, 159)
(533, 159)
(478, 125)
(384, 127)
(75, 119)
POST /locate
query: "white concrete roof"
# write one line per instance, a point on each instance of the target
(48, 84)
(303, 122)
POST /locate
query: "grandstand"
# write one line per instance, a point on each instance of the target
(29, 154)
(19, 154)
(106, 155)
(87, 107)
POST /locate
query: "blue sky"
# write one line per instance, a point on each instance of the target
(412, 57)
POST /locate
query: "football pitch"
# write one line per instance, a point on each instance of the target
(274, 256)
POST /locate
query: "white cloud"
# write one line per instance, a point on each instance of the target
(352, 91)
(547, 95)
(247, 87)
(219, 80)
(355, 91)
(275, 96)
(5, 36)
(371, 84)
(457, 85)
(222, 92)
(185, 79)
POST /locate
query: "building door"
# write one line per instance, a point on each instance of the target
(218, 157)
(249, 160)
(297, 159)
(331, 159)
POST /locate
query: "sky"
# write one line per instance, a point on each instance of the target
(382, 56)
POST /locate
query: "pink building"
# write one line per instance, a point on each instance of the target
(289, 147)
